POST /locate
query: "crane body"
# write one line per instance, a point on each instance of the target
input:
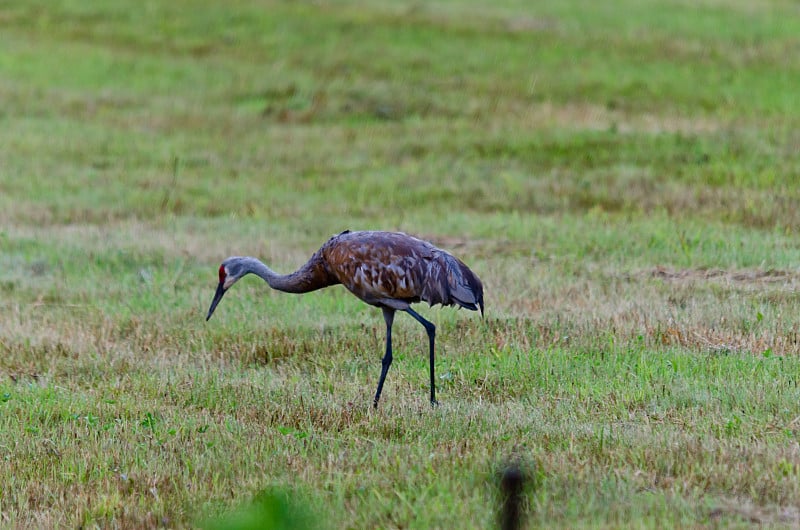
(390, 270)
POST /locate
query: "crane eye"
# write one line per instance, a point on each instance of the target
(222, 274)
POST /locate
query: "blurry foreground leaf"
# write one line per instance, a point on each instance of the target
(272, 509)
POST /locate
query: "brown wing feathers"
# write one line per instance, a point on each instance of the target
(392, 269)
(451, 282)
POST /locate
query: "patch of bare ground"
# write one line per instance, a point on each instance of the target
(731, 510)
(479, 247)
(643, 190)
(739, 276)
(163, 239)
(708, 310)
(590, 116)
(698, 337)
(745, 207)
(629, 329)
(745, 7)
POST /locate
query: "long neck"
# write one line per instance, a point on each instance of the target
(309, 277)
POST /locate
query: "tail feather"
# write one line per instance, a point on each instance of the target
(451, 282)
(469, 293)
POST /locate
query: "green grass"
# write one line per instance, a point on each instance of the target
(623, 177)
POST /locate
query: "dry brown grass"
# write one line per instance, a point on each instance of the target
(628, 202)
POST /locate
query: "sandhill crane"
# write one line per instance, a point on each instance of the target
(390, 270)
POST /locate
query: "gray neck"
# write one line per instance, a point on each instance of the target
(288, 283)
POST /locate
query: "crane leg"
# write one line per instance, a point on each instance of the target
(388, 316)
(431, 329)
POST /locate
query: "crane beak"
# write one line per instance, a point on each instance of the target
(217, 297)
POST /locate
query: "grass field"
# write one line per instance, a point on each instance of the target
(624, 177)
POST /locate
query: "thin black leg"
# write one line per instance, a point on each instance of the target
(431, 329)
(388, 316)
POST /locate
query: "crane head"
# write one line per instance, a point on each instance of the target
(226, 279)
